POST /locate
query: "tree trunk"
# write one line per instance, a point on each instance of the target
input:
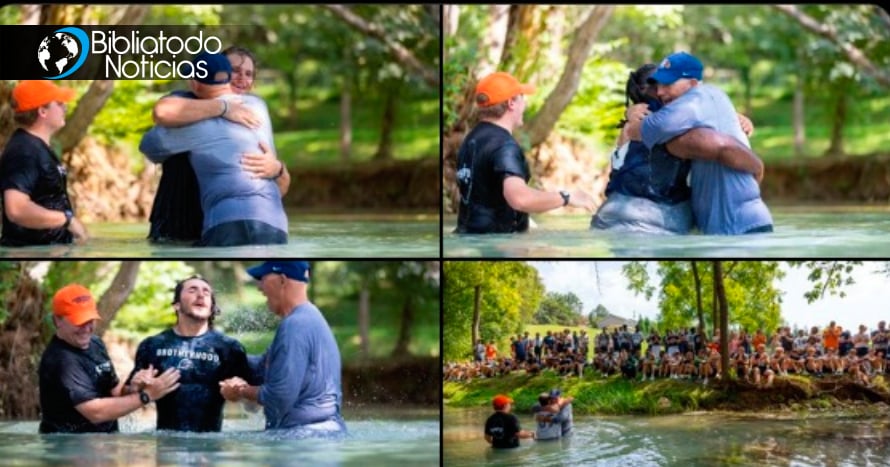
(345, 122)
(745, 73)
(540, 126)
(493, 43)
(404, 340)
(701, 313)
(476, 314)
(23, 338)
(839, 119)
(797, 117)
(364, 320)
(390, 107)
(720, 291)
(120, 289)
(84, 113)
(451, 20)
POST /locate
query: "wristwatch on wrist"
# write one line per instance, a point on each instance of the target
(143, 396)
(69, 214)
(565, 197)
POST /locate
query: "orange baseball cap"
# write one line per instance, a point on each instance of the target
(498, 87)
(75, 303)
(31, 94)
(500, 401)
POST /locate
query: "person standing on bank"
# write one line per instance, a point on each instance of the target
(203, 356)
(33, 184)
(492, 173)
(79, 389)
(301, 385)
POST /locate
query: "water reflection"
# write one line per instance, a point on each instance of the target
(682, 440)
(412, 439)
(414, 236)
(845, 232)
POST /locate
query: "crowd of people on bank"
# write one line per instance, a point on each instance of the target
(686, 354)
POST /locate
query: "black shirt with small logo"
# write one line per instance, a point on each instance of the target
(503, 429)
(203, 361)
(70, 376)
(31, 167)
(488, 155)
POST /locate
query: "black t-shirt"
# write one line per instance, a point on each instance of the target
(487, 156)
(70, 376)
(30, 166)
(176, 213)
(203, 361)
(503, 429)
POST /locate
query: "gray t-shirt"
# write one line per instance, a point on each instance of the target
(301, 384)
(215, 145)
(724, 201)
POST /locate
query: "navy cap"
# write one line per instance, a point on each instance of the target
(296, 270)
(212, 64)
(555, 393)
(675, 66)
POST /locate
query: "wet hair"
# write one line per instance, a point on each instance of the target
(177, 297)
(243, 52)
(635, 91)
(23, 119)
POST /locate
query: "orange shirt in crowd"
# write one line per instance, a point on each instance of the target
(491, 352)
(830, 337)
(757, 340)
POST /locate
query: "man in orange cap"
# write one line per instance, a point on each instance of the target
(492, 173)
(79, 389)
(502, 428)
(33, 185)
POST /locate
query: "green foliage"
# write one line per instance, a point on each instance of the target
(509, 293)
(126, 115)
(753, 300)
(559, 308)
(599, 312)
(149, 309)
(827, 276)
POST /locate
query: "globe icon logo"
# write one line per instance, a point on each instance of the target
(58, 53)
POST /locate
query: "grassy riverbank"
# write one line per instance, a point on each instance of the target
(617, 396)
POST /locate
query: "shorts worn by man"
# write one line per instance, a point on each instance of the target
(238, 208)
(203, 356)
(33, 181)
(725, 201)
(301, 387)
(79, 389)
(492, 173)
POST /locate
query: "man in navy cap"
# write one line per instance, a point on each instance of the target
(238, 209)
(301, 368)
(725, 201)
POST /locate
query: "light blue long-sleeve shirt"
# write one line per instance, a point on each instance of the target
(215, 146)
(724, 201)
(301, 384)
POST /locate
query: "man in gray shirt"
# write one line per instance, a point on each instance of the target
(238, 209)
(301, 388)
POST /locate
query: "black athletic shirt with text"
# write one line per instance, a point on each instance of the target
(203, 361)
(70, 376)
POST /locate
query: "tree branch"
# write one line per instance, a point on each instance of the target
(399, 51)
(856, 56)
(540, 126)
(120, 289)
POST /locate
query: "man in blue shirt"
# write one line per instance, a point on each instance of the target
(301, 386)
(725, 201)
(238, 209)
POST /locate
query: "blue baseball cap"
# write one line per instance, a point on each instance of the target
(555, 393)
(296, 270)
(675, 66)
(213, 64)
